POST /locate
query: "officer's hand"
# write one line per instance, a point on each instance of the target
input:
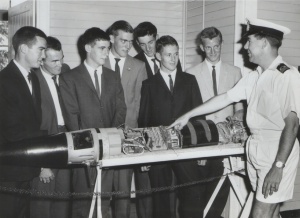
(272, 181)
(180, 122)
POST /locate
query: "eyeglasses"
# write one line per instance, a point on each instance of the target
(215, 48)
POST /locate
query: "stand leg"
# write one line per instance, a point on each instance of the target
(212, 198)
(97, 189)
(247, 207)
(99, 173)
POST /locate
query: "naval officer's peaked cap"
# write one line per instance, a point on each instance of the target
(258, 26)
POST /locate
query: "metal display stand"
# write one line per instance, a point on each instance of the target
(170, 155)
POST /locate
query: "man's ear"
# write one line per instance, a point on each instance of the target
(112, 38)
(88, 48)
(158, 56)
(201, 47)
(265, 42)
(23, 48)
(157, 37)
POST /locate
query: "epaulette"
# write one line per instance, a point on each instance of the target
(282, 67)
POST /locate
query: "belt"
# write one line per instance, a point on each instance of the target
(259, 134)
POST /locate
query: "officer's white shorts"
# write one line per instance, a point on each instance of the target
(260, 157)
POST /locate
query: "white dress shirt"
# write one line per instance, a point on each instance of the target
(167, 78)
(91, 71)
(217, 68)
(54, 94)
(149, 59)
(113, 62)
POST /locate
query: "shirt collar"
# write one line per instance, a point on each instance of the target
(22, 69)
(273, 65)
(91, 70)
(111, 56)
(217, 65)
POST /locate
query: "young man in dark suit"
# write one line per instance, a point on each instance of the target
(51, 180)
(166, 96)
(93, 97)
(145, 35)
(132, 73)
(20, 115)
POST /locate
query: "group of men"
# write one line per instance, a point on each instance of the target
(40, 95)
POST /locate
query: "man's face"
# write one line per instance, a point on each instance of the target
(212, 48)
(168, 58)
(97, 53)
(53, 61)
(121, 44)
(35, 52)
(254, 47)
(147, 44)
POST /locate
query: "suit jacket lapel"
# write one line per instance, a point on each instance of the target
(223, 79)
(148, 68)
(126, 71)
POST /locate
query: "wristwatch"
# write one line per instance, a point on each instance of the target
(279, 164)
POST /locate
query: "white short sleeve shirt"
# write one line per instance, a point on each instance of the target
(271, 95)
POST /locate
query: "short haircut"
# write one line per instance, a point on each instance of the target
(164, 41)
(53, 43)
(26, 35)
(119, 25)
(208, 33)
(274, 42)
(144, 29)
(92, 35)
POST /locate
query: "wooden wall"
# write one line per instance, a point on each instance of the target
(286, 13)
(220, 14)
(69, 19)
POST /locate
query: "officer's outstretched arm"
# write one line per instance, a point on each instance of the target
(214, 104)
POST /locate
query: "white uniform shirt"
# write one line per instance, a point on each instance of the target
(271, 96)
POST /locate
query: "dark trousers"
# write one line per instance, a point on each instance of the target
(143, 200)
(52, 207)
(190, 203)
(214, 168)
(112, 180)
(14, 205)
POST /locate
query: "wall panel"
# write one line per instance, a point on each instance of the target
(217, 13)
(69, 19)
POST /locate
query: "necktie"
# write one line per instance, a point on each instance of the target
(33, 94)
(29, 76)
(171, 84)
(97, 84)
(54, 78)
(214, 80)
(117, 68)
(155, 66)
